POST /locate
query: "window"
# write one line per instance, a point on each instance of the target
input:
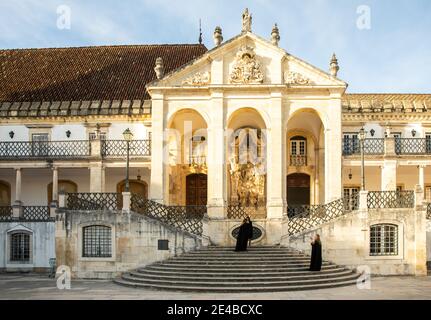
(397, 136)
(298, 151)
(384, 240)
(428, 142)
(197, 150)
(40, 144)
(97, 242)
(351, 198)
(20, 247)
(92, 135)
(350, 143)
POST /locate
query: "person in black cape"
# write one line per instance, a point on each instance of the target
(244, 234)
(316, 254)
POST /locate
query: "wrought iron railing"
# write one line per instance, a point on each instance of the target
(36, 213)
(414, 146)
(236, 211)
(44, 149)
(372, 146)
(186, 218)
(390, 199)
(306, 218)
(94, 201)
(298, 160)
(428, 214)
(6, 213)
(118, 148)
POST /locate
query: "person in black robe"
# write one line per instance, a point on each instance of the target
(243, 236)
(316, 254)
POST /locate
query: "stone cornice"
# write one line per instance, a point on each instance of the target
(383, 116)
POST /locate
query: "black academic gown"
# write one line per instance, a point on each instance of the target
(316, 256)
(243, 236)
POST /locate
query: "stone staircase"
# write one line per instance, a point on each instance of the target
(220, 269)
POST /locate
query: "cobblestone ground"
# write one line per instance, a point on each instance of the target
(30, 286)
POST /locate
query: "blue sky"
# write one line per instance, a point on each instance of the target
(394, 55)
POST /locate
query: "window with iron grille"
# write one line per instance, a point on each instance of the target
(96, 242)
(384, 240)
(20, 247)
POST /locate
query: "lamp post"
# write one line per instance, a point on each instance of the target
(128, 136)
(362, 135)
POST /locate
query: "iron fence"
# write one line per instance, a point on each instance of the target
(118, 148)
(6, 213)
(36, 213)
(413, 146)
(428, 211)
(390, 199)
(94, 201)
(186, 218)
(372, 146)
(303, 218)
(45, 149)
(237, 211)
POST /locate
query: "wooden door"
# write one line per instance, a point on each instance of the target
(196, 189)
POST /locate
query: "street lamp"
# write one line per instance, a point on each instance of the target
(362, 135)
(128, 136)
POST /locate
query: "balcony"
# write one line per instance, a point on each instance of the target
(298, 160)
(371, 146)
(72, 149)
(403, 146)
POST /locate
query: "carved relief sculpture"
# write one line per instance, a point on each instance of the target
(246, 21)
(198, 79)
(297, 78)
(246, 68)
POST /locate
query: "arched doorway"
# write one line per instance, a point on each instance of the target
(298, 189)
(63, 186)
(135, 186)
(196, 189)
(4, 193)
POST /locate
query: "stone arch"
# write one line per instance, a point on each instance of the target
(322, 116)
(187, 149)
(263, 120)
(135, 186)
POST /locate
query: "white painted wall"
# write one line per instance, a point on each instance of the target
(115, 131)
(21, 133)
(77, 132)
(43, 243)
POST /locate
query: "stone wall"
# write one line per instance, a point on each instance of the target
(42, 245)
(134, 242)
(345, 241)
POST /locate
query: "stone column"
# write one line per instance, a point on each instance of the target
(216, 159)
(18, 186)
(421, 171)
(276, 160)
(159, 156)
(389, 145)
(333, 154)
(54, 185)
(389, 175)
(97, 173)
(126, 202)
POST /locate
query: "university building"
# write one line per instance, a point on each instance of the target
(243, 128)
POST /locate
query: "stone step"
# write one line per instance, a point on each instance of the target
(230, 277)
(260, 282)
(217, 269)
(251, 288)
(230, 269)
(241, 257)
(221, 264)
(239, 274)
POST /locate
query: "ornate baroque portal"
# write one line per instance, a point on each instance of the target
(247, 173)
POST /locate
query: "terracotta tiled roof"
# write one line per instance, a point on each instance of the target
(386, 102)
(87, 73)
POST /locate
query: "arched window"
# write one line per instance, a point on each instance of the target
(20, 247)
(96, 242)
(197, 150)
(384, 240)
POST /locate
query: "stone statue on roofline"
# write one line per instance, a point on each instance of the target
(246, 21)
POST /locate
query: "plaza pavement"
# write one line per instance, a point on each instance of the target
(33, 286)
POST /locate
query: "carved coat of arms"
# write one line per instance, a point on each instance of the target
(246, 68)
